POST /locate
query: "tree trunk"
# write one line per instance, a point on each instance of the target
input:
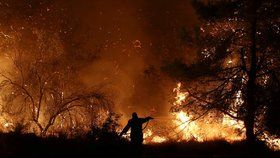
(251, 84)
(250, 111)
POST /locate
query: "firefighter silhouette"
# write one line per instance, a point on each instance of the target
(135, 124)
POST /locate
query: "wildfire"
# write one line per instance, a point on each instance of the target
(180, 96)
(148, 133)
(207, 128)
(158, 139)
(210, 128)
(150, 137)
(271, 141)
(5, 125)
(186, 127)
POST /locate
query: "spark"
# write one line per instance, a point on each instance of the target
(6, 125)
(5, 35)
(137, 44)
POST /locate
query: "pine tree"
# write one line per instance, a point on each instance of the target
(237, 67)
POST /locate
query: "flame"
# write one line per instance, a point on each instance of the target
(180, 96)
(273, 142)
(148, 133)
(225, 128)
(186, 127)
(150, 137)
(158, 139)
(202, 130)
(208, 128)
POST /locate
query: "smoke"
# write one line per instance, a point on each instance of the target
(117, 43)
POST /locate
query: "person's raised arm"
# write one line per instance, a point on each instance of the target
(146, 119)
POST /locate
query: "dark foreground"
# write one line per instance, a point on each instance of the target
(31, 146)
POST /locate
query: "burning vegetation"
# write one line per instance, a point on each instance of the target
(55, 77)
(185, 127)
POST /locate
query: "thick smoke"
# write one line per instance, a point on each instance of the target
(120, 44)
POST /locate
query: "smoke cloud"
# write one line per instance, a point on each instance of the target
(120, 44)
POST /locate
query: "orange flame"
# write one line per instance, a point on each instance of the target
(201, 130)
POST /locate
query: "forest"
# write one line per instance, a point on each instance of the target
(206, 71)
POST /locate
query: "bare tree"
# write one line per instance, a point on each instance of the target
(42, 90)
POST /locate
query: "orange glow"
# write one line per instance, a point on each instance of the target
(158, 139)
(207, 128)
(180, 96)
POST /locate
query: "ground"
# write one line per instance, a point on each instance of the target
(31, 146)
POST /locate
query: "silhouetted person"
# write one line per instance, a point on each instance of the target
(135, 126)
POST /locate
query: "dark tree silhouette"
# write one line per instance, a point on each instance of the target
(237, 63)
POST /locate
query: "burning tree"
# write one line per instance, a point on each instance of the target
(237, 67)
(42, 89)
(44, 48)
